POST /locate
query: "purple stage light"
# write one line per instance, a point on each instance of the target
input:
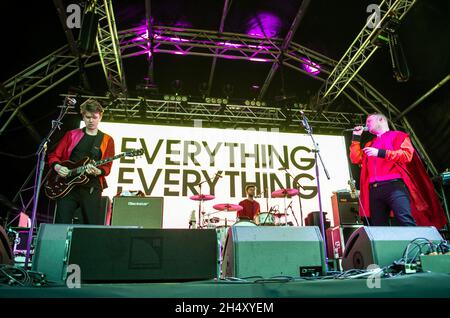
(265, 24)
(310, 66)
(256, 59)
(229, 44)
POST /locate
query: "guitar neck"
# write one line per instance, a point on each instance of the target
(82, 169)
(102, 162)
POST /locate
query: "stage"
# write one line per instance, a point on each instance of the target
(419, 285)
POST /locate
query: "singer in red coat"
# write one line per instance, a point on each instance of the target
(393, 178)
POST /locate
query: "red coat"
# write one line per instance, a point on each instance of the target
(425, 206)
(70, 140)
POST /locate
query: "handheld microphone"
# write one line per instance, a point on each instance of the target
(365, 128)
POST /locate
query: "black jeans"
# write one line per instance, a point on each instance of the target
(386, 196)
(87, 200)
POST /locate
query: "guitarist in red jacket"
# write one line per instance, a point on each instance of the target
(74, 146)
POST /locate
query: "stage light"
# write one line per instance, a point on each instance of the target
(213, 100)
(258, 103)
(172, 98)
(166, 97)
(253, 103)
(178, 98)
(247, 103)
(225, 101)
(264, 24)
(263, 104)
(219, 101)
(184, 98)
(310, 67)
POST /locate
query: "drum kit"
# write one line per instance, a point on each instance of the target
(273, 217)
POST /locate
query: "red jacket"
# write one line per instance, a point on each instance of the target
(70, 140)
(425, 206)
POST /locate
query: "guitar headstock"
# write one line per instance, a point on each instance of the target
(134, 153)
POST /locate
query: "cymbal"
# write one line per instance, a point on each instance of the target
(227, 207)
(202, 197)
(284, 193)
(279, 215)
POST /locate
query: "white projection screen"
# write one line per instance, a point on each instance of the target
(177, 158)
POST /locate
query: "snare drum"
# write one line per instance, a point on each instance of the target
(265, 218)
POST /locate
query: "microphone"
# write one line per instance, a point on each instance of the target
(365, 128)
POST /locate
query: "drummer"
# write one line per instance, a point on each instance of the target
(250, 208)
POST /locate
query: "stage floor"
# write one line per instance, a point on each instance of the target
(419, 285)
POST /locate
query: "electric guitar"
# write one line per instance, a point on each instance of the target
(58, 187)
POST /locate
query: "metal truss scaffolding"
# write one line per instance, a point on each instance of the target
(359, 51)
(109, 49)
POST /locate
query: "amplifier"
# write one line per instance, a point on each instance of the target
(146, 212)
(345, 208)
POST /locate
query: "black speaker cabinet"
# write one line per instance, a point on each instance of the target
(345, 208)
(273, 251)
(119, 254)
(382, 245)
(146, 212)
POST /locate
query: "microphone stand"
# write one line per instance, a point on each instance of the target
(200, 221)
(297, 185)
(41, 154)
(292, 211)
(316, 151)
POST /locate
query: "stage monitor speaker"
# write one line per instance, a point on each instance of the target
(345, 209)
(273, 251)
(125, 254)
(146, 212)
(6, 255)
(382, 245)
